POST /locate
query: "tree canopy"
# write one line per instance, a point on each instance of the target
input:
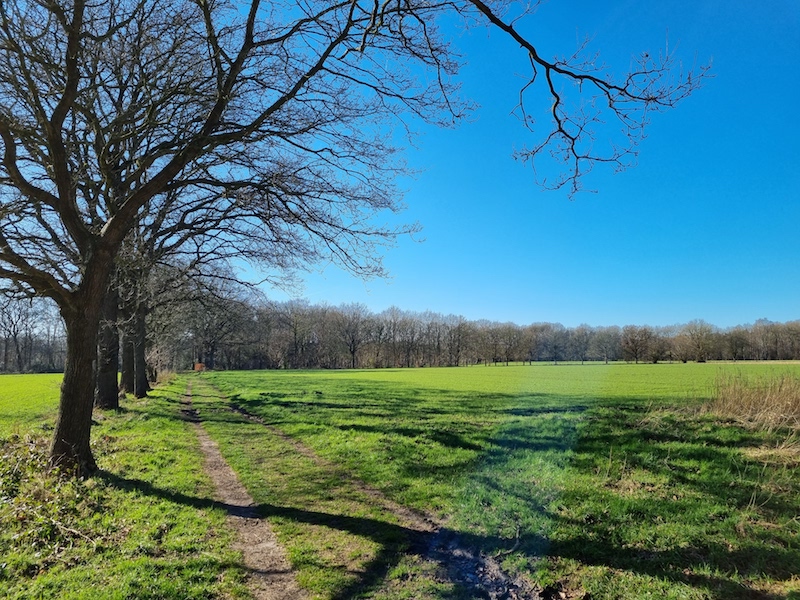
(266, 130)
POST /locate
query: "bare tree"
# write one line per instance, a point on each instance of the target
(555, 341)
(510, 336)
(737, 343)
(635, 342)
(409, 330)
(535, 341)
(377, 338)
(16, 324)
(193, 313)
(352, 327)
(580, 340)
(457, 338)
(606, 343)
(700, 336)
(262, 125)
(660, 345)
(52, 338)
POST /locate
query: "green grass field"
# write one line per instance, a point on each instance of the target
(595, 481)
(27, 401)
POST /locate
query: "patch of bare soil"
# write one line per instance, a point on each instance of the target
(270, 575)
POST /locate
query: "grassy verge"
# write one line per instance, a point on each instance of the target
(144, 527)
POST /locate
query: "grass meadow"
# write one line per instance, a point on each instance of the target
(27, 401)
(593, 481)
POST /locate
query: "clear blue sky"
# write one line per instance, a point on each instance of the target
(707, 226)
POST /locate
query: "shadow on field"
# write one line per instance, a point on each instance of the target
(667, 495)
(390, 410)
(394, 541)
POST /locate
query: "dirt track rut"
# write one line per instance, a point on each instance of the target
(270, 577)
(463, 565)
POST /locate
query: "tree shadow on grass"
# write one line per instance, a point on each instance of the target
(588, 435)
(681, 565)
(596, 547)
(457, 555)
(389, 411)
(642, 475)
(692, 453)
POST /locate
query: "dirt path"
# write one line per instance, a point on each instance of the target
(270, 575)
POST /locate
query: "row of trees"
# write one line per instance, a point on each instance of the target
(237, 333)
(32, 337)
(224, 326)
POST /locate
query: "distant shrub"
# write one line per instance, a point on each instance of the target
(164, 377)
(770, 402)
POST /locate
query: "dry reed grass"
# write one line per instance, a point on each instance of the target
(769, 402)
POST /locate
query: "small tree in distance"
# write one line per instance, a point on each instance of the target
(259, 125)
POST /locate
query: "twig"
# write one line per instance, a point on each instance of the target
(66, 529)
(510, 550)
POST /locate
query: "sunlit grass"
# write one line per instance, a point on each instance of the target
(28, 400)
(603, 481)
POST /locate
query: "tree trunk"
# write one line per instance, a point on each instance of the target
(127, 376)
(140, 383)
(211, 356)
(18, 352)
(107, 390)
(70, 448)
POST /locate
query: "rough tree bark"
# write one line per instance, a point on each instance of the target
(70, 448)
(107, 390)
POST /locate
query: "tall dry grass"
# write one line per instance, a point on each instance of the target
(769, 402)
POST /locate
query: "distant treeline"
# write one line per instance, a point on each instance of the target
(228, 330)
(245, 333)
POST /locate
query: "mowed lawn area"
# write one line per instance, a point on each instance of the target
(591, 481)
